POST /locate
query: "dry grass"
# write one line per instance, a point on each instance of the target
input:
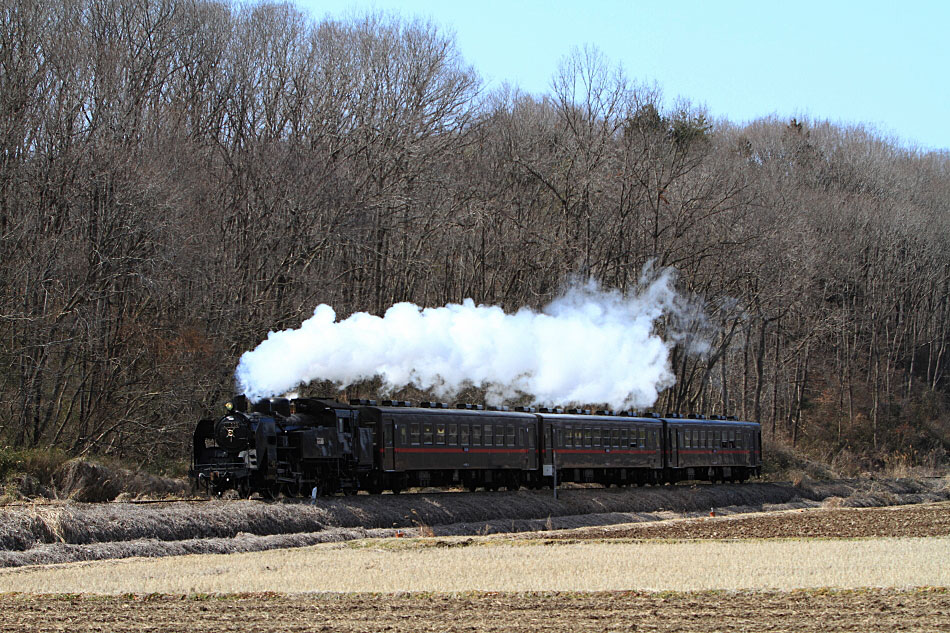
(82, 480)
(399, 565)
(39, 475)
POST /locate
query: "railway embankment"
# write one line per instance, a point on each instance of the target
(43, 533)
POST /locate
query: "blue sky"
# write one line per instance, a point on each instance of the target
(882, 64)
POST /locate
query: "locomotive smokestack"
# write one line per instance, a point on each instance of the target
(239, 403)
(588, 345)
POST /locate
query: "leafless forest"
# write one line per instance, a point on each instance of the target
(180, 177)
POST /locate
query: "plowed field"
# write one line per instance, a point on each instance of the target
(900, 521)
(795, 612)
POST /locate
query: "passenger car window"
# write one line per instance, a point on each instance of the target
(453, 434)
(643, 438)
(487, 436)
(476, 435)
(596, 434)
(499, 435)
(464, 435)
(510, 432)
(414, 432)
(440, 433)
(427, 433)
(403, 435)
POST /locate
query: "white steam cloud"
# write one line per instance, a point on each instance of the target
(587, 346)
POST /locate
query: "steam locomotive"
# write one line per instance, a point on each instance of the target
(311, 446)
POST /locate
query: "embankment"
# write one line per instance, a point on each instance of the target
(63, 532)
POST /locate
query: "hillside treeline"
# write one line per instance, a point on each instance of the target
(180, 177)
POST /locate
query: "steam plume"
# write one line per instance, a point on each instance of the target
(588, 346)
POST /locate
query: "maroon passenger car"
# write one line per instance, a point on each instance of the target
(713, 449)
(607, 449)
(433, 445)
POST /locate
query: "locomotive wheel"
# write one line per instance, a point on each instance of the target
(268, 493)
(373, 485)
(291, 489)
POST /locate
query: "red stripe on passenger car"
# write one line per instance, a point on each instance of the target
(710, 451)
(460, 450)
(607, 451)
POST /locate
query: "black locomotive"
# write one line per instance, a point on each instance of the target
(310, 446)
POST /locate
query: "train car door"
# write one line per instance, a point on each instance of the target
(523, 446)
(546, 454)
(674, 448)
(390, 429)
(716, 444)
(532, 430)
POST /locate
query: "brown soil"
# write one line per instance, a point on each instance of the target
(865, 611)
(901, 521)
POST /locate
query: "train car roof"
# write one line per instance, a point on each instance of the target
(599, 419)
(709, 422)
(561, 417)
(453, 411)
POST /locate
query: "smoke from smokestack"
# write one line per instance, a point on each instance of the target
(587, 346)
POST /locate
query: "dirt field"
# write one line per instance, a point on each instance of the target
(893, 522)
(794, 612)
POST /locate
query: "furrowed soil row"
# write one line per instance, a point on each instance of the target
(794, 612)
(892, 522)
